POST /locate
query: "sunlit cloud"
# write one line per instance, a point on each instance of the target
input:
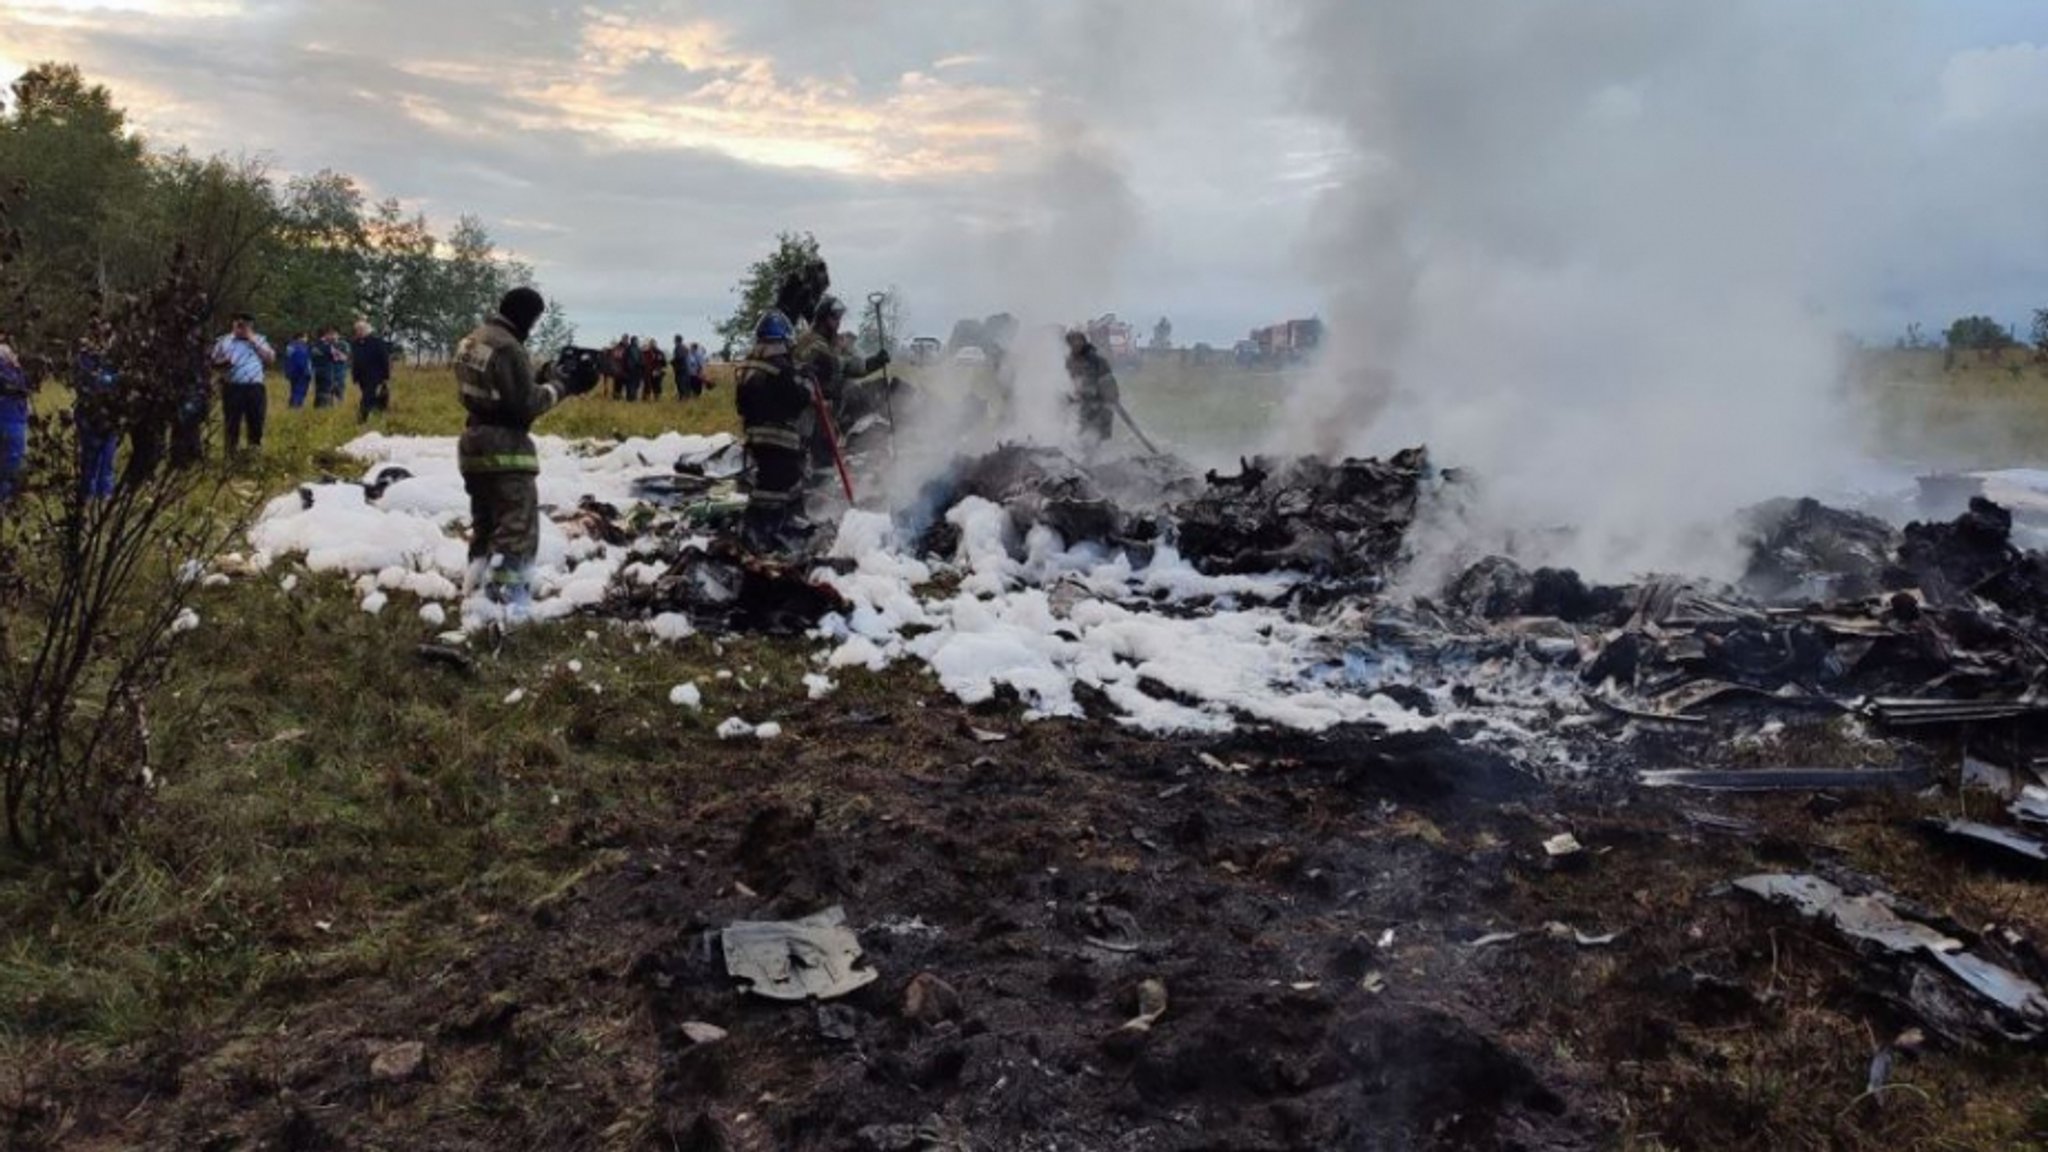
(690, 85)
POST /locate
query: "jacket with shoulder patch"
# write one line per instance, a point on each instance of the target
(774, 397)
(504, 397)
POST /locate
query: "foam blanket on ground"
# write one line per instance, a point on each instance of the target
(1140, 636)
(409, 534)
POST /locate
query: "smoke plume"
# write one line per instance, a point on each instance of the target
(1581, 248)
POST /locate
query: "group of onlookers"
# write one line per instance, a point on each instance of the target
(316, 367)
(636, 369)
(235, 366)
(322, 365)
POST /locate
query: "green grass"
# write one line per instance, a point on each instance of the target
(330, 805)
(1975, 414)
(334, 807)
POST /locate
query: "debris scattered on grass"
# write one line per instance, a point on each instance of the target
(816, 957)
(698, 1032)
(447, 656)
(1151, 1007)
(1789, 779)
(1997, 845)
(398, 1063)
(1914, 957)
(930, 1001)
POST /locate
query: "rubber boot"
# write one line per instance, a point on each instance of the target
(512, 591)
(474, 576)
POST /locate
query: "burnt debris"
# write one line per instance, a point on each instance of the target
(1345, 520)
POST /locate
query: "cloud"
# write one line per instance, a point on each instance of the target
(1091, 154)
(2007, 83)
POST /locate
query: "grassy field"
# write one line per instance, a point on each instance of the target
(337, 814)
(327, 783)
(1976, 414)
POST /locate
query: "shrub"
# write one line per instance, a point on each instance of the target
(94, 583)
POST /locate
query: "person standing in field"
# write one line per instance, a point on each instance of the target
(298, 368)
(679, 357)
(241, 357)
(500, 462)
(700, 365)
(656, 366)
(14, 400)
(635, 369)
(1095, 394)
(94, 416)
(330, 368)
(372, 368)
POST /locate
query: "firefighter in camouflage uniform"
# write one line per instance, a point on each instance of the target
(819, 357)
(774, 395)
(500, 463)
(1096, 395)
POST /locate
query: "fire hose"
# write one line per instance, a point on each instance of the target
(1135, 431)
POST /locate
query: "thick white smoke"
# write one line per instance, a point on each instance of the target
(1584, 247)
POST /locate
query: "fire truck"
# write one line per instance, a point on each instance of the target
(1114, 339)
(1289, 342)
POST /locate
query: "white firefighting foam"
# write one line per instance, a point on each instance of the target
(1170, 649)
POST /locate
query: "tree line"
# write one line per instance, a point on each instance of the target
(98, 214)
(1980, 334)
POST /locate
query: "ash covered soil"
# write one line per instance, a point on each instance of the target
(1471, 925)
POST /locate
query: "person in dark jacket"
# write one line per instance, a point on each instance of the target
(371, 366)
(774, 398)
(828, 366)
(298, 368)
(14, 405)
(499, 461)
(656, 367)
(330, 368)
(634, 369)
(94, 415)
(1096, 395)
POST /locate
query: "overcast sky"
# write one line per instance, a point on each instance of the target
(1057, 156)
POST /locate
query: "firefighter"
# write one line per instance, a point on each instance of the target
(774, 398)
(500, 463)
(820, 357)
(1095, 396)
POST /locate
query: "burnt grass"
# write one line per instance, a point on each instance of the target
(1310, 908)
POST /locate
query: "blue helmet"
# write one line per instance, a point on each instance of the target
(774, 328)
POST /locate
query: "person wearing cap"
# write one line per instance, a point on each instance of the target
(240, 357)
(500, 462)
(14, 403)
(1095, 394)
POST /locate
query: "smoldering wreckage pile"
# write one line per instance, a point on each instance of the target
(1246, 624)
